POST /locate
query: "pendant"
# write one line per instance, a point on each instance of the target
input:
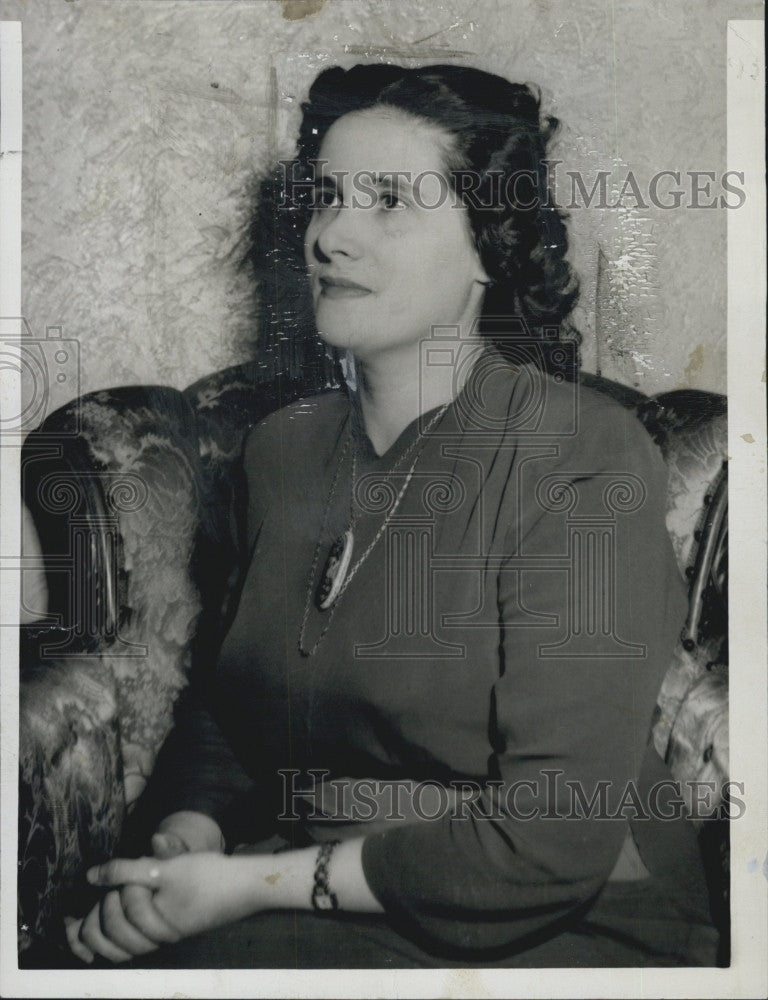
(335, 571)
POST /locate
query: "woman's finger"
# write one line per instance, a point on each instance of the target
(168, 845)
(121, 871)
(92, 937)
(143, 914)
(72, 929)
(116, 927)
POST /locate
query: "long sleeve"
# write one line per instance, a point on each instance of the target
(197, 769)
(589, 602)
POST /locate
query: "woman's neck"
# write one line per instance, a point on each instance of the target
(394, 390)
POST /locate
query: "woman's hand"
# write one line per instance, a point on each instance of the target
(186, 831)
(152, 902)
(111, 929)
(143, 929)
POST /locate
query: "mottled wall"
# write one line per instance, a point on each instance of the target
(144, 120)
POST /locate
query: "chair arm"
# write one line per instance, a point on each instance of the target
(115, 484)
(71, 799)
(112, 481)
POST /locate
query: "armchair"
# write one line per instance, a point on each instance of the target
(137, 495)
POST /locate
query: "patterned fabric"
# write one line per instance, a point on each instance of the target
(152, 480)
(691, 726)
(71, 802)
(693, 431)
(691, 428)
(142, 442)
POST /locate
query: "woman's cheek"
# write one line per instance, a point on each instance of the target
(394, 226)
(310, 238)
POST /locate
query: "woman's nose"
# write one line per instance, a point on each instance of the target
(340, 231)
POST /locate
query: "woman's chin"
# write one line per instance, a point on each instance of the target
(352, 334)
(342, 340)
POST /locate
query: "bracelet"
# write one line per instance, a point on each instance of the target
(322, 897)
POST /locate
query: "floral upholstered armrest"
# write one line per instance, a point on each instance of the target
(691, 726)
(71, 795)
(113, 483)
(691, 427)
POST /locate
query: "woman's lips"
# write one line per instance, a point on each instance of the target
(341, 288)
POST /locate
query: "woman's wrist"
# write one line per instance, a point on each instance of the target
(347, 881)
(279, 881)
(289, 880)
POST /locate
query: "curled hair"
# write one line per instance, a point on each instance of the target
(495, 158)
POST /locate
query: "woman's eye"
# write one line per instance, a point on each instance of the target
(325, 198)
(390, 202)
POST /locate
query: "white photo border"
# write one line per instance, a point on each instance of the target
(748, 974)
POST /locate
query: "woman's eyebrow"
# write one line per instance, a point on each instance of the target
(325, 181)
(395, 179)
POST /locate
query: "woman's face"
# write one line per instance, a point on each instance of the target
(389, 256)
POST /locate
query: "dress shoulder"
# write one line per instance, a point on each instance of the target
(592, 424)
(294, 429)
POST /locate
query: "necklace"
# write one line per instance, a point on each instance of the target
(337, 574)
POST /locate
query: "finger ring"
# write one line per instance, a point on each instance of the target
(154, 874)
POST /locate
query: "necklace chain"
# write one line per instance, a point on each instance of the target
(352, 519)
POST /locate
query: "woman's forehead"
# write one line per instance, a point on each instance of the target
(383, 139)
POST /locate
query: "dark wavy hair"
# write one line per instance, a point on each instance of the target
(496, 161)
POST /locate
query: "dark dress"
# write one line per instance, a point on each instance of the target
(505, 638)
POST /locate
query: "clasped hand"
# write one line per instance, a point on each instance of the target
(188, 886)
(151, 902)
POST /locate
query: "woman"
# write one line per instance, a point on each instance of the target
(460, 601)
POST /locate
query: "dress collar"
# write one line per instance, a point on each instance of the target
(480, 389)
